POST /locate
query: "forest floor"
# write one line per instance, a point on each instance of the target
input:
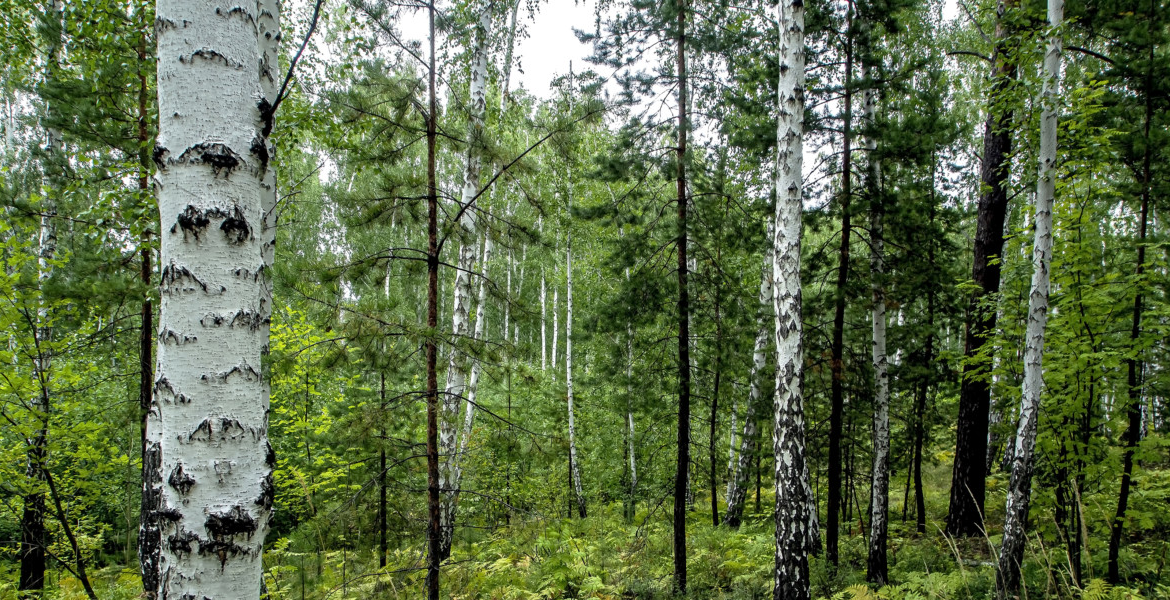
(606, 557)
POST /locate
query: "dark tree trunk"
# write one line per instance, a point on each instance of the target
(382, 546)
(715, 416)
(149, 537)
(684, 358)
(1133, 433)
(433, 542)
(968, 480)
(837, 402)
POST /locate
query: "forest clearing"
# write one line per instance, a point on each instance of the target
(550, 299)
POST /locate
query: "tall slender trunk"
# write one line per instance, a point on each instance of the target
(632, 502)
(713, 437)
(574, 464)
(795, 512)
(34, 537)
(968, 480)
(556, 328)
(456, 386)
(434, 552)
(876, 564)
(383, 546)
(149, 535)
(210, 406)
(1011, 553)
(837, 364)
(1134, 364)
(681, 474)
(738, 482)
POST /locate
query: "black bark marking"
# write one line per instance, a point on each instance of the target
(167, 335)
(219, 429)
(180, 480)
(160, 155)
(235, 227)
(260, 150)
(149, 529)
(171, 515)
(218, 156)
(162, 384)
(191, 220)
(267, 493)
(267, 115)
(181, 542)
(245, 370)
(210, 55)
(246, 274)
(236, 10)
(269, 455)
(175, 278)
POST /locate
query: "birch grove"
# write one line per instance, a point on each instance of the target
(371, 292)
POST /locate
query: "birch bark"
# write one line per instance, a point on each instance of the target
(876, 564)
(574, 465)
(738, 483)
(208, 422)
(1011, 554)
(795, 533)
(456, 385)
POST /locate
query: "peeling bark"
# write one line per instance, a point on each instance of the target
(795, 511)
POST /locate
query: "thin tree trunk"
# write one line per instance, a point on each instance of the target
(1133, 431)
(456, 387)
(574, 465)
(681, 474)
(383, 546)
(434, 552)
(968, 480)
(876, 564)
(149, 534)
(737, 484)
(837, 365)
(210, 404)
(712, 436)
(1011, 554)
(556, 328)
(795, 512)
(34, 537)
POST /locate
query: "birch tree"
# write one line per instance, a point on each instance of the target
(794, 531)
(876, 565)
(33, 535)
(737, 484)
(461, 307)
(574, 466)
(208, 423)
(1011, 553)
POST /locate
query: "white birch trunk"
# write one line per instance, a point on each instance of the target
(543, 321)
(1011, 553)
(209, 418)
(461, 307)
(880, 484)
(555, 302)
(737, 483)
(795, 513)
(574, 466)
(476, 366)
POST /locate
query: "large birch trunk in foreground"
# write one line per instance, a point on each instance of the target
(1011, 553)
(209, 419)
(461, 308)
(737, 484)
(876, 564)
(795, 510)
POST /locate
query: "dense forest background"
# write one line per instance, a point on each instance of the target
(567, 269)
